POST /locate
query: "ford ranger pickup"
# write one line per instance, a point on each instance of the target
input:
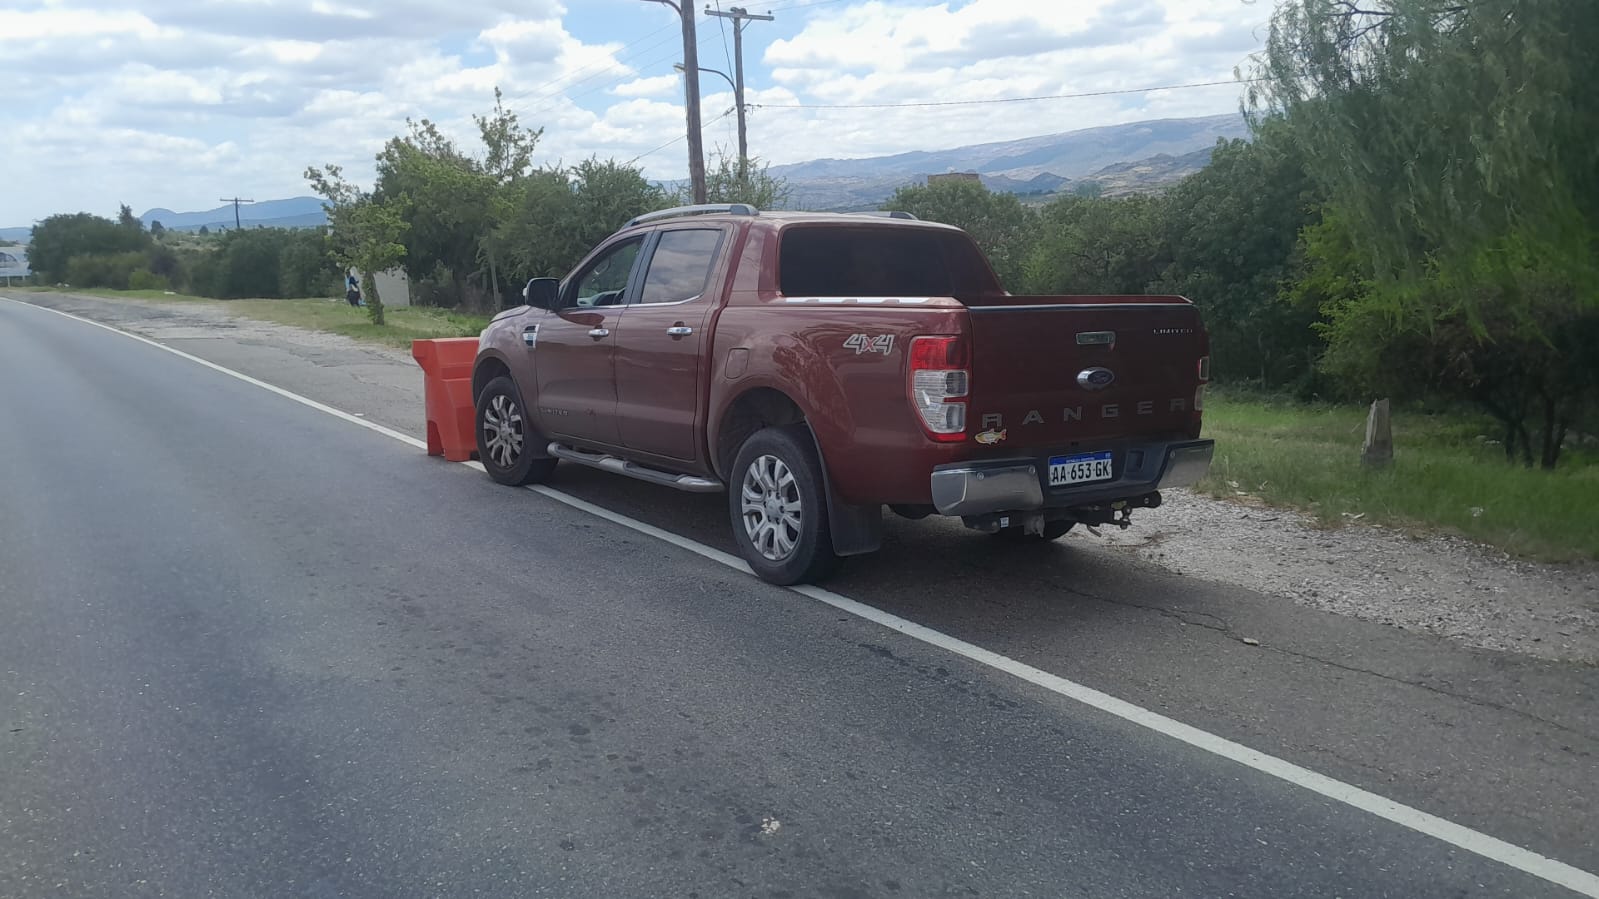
(818, 367)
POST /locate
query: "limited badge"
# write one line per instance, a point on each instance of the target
(990, 437)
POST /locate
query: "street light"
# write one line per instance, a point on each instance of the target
(738, 103)
(679, 67)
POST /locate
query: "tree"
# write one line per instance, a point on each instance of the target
(507, 161)
(60, 237)
(608, 194)
(1231, 235)
(366, 235)
(728, 182)
(508, 145)
(305, 264)
(446, 198)
(127, 219)
(555, 216)
(157, 230)
(999, 223)
(1096, 246)
(533, 231)
(205, 230)
(1455, 140)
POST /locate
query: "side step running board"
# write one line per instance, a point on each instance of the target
(686, 482)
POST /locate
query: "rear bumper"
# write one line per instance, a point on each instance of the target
(1021, 485)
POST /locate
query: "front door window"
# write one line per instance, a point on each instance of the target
(603, 282)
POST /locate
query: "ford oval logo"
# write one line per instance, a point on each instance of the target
(1095, 378)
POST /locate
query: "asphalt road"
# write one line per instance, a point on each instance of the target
(249, 649)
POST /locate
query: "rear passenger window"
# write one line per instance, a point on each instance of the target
(681, 265)
(866, 262)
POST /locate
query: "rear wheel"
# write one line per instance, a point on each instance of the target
(506, 443)
(1053, 530)
(779, 507)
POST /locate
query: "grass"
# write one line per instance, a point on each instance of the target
(1445, 475)
(401, 324)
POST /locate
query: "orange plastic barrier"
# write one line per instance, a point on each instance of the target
(447, 389)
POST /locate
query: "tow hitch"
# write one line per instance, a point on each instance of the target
(1118, 513)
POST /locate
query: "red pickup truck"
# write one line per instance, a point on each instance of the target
(820, 366)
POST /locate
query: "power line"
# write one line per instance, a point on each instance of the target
(560, 95)
(676, 139)
(598, 70)
(722, 24)
(1105, 93)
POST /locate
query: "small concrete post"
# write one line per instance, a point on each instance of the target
(1379, 447)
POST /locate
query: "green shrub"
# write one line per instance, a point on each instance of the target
(112, 270)
(147, 280)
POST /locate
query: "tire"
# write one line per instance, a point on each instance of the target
(505, 440)
(1053, 530)
(778, 505)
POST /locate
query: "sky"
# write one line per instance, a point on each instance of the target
(177, 103)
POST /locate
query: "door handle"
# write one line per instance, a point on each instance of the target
(530, 335)
(597, 333)
(680, 331)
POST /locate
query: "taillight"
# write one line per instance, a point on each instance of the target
(939, 376)
(1204, 369)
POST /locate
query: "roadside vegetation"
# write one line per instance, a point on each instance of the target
(1448, 473)
(401, 325)
(1414, 217)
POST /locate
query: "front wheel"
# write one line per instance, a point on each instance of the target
(507, 445)
(779, 507)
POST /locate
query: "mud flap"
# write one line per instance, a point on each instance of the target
(856, 530)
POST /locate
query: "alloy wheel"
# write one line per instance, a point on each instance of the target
(502, 431)
(772, 509)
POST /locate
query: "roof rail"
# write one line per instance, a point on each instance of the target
(702, 209)
(887, 213)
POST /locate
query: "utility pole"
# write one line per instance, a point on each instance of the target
(691, 97)
(236, 201)
(740, 16)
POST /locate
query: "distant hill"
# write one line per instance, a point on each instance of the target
(1121, 159)
(296, 212)
(1027, 166)
(1147, 174)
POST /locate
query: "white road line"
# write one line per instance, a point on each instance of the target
(1475, 842)
(304, 401)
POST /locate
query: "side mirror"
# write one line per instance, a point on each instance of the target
(541, 292)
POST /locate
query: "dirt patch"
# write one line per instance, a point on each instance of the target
(193, 321)
(1444, 585)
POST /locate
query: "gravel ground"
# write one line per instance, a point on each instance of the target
(1450, 587)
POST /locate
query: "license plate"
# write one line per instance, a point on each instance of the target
(1067, 470)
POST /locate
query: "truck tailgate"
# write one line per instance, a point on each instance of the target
(1063, 371)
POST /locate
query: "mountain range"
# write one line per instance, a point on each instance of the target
(1119, 158)
(296, 212)
(1109, 160)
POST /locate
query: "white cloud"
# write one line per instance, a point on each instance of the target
(180, 99)
(658, 86)
(74, 24)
